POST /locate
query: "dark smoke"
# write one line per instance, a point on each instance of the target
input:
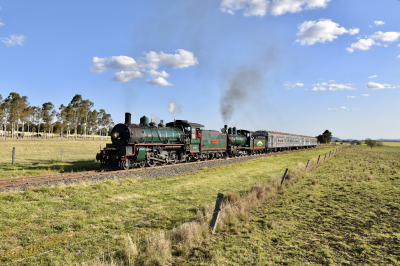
(245, 83)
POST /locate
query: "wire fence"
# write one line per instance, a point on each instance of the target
(92, 250)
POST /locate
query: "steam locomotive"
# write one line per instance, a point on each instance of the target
(148, 144)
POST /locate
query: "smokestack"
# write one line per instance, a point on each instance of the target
(226, 128)
(128, 118)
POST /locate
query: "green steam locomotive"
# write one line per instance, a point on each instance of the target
(148, 144)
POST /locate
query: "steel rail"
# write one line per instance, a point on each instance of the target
(10, 182)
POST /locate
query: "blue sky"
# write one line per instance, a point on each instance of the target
(296, 66)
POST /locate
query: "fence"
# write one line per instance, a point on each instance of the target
(87, 251)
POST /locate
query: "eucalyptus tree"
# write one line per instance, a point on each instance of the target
(38, 117)
(4, 114)
(105, 122)
(62, 118)
(16, 105)
(86, 106)
(76, 106)
(92, 122)
(48, 113)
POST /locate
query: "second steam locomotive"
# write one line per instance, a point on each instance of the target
(148, 144)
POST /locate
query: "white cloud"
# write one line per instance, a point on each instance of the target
(132, 68)
(173, 107)
(299, 84)
(374, 76)
(379, 23)
(13, 40)
(352, 97)
(121, 62)
(1, 24)
(125, 76)
(274, 7)
(378, 86)
(398, 45)
(389, 36)
(158, 82)
(365, 95)
(362, 44)
(155, 74)
(287, 84)
(339, 108)
(375, 39)
(398, 56)
(182, 59)
(332, 87)
(311, 32)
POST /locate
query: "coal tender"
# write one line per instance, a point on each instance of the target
(148, 144)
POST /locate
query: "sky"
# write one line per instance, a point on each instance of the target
(295, 66)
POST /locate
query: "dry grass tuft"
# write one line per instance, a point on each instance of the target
(156, 251)
(189, 234)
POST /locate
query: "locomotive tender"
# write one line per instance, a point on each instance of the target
(148, 144)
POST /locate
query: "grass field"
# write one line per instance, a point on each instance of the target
(36, 157)
(56, 217)
(391, 144)
(347, 212)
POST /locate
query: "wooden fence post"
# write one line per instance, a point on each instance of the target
(13, 156)
(284, 175)
(307, 164)
(325, 155)
(330, 153)
(319, 157)
(217, 209)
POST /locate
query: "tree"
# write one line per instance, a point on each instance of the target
(28, 115)
(92, 122)
(76, 104)
(38, 117)
(104, 120)
(62, 117)
(370, 143)
(379, 144)
(80, 112)
(326, 137)
(86, 106)
(15, 102)
(48, 114)
(5, 107)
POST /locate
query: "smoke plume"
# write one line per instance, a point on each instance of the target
(244, 84)
(155, 119)
(173, 107)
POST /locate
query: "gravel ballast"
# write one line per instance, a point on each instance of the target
(170, 170)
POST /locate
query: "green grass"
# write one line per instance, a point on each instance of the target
(37, 157)
(346, 212)
(46, 218)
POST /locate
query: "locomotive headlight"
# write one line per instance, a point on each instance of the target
(115, 135)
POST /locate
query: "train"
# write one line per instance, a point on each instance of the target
(148, 144)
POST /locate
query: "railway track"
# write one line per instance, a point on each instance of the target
(11, 182)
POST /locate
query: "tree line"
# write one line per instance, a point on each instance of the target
(18, 116)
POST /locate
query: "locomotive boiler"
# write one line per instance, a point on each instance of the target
(149, 144)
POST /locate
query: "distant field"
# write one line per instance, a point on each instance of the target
(35, 157)
(55, 218)
(391, 144)
(346, 212)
